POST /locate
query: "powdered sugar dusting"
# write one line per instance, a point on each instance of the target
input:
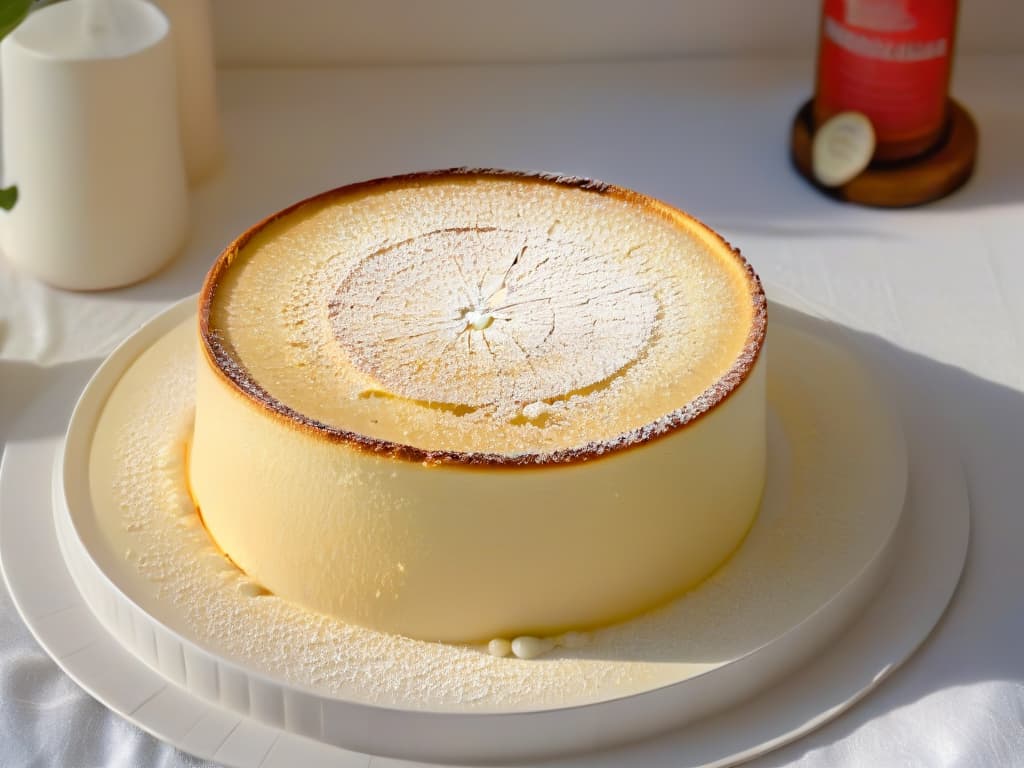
(514, 317)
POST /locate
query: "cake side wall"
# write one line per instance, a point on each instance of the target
(463, 554)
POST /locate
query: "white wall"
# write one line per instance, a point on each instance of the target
(313, 32)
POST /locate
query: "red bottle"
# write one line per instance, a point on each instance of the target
(891, 60)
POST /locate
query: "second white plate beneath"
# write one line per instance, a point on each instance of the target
(820, 689)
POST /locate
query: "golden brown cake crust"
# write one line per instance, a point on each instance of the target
(231, 370)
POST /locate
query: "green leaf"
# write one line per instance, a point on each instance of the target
(8, 197)
(11, 14)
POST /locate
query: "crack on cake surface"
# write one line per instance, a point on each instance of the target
(488, 316)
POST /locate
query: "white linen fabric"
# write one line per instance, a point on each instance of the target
(937, 287)
(46, 720)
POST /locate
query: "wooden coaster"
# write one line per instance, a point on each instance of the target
(896, 185)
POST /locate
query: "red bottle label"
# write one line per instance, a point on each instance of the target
(889, 59)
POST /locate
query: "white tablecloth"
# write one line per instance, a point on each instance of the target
(941, 283)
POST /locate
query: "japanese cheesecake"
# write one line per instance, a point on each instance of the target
(473, 404)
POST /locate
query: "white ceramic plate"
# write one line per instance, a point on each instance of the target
(67, 628)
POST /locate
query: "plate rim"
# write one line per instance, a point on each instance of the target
(117, 363)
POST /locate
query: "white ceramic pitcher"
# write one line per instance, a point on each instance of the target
(91, 138)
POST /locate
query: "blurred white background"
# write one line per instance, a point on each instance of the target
(320, 32)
